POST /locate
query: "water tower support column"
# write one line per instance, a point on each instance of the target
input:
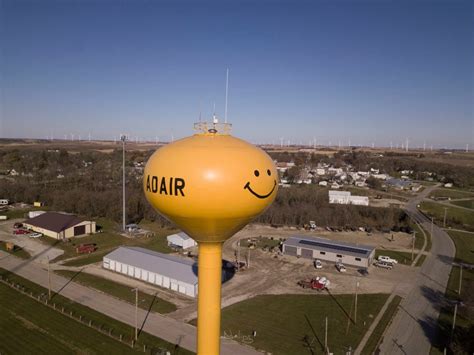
(209, 298)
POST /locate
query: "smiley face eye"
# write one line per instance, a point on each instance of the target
(269, 173)
(256, 173)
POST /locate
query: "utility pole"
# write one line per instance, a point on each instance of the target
(460, 279)
(355, 313)
(413, 246)
(248, 258)
(454, 320)
(445, 213)
(123, 138)
(238, 255)
(326, 337)
(136, 312)
(49, 281)
(432, 219)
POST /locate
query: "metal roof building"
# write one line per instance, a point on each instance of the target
(60, 225)
(181, 240)
(329, 250)
(163, 270)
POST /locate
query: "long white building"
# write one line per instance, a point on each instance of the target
(175, 273)
(345, 198)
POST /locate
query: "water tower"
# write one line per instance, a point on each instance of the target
(210, 185)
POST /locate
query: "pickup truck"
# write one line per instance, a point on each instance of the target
(340, 267)
(387, 259)
(383, 265)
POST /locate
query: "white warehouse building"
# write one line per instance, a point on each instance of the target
(159, 269)
(180, 240)
(345, 198)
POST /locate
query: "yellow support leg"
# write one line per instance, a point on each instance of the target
(209, 298)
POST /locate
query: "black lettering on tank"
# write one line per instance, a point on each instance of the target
(148, 183)
(154, 184)
(179, 186)
(171, 186)
(163, 186)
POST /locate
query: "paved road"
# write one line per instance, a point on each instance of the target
(160, 326)
(414, 327)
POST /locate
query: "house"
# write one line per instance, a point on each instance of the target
(449, 184)
(323, 183)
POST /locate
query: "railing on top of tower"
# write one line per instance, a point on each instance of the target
(214, 127)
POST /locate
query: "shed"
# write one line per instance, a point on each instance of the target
(60, 225)
(180, 240)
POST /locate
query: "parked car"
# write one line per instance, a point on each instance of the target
(35, 235)
(384, 265)
(17, 225)
(340, 267)
(318, 264)
(363, 272)
(20, 231)
(387, 259)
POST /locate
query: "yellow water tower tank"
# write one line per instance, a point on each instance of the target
(210, 185)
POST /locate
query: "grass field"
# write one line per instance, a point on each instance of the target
(28, 327)
(456, 217)
(377, 334)
(107, 241)
(419, 238)
(465, 317)
(464, 203)
(88, 314)
(451, 193)
(120, 291)
(17, 251)
(401, 256)
(261, 242)
(421, 260)
(294, 324)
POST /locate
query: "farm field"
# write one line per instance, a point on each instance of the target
(465, 317)
(120, 291)
(464, 203)
(28, 327)
(87, 314)
(299, 326)
(456, 217)
(453, 194)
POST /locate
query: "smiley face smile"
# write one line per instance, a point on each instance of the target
(247, 186)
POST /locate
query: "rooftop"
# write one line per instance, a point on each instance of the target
(167, 265)
(54, 221)
(330, 246)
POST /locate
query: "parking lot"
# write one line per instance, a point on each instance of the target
(40, 252)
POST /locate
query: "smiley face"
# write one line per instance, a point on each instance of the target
(249, 188)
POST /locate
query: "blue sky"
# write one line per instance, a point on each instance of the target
(364, 71)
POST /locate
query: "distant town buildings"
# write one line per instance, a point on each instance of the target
(345, 198)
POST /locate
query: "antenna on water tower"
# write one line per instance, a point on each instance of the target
(226, 94)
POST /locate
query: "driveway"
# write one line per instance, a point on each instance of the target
(40, 252)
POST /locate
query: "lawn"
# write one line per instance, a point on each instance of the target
(464, 203)
(453, 194)
(456, 217)
(17, 251)
(29, 327)
(92, 315)
(261, 242)
(419, 237)
(119, 291)
(462, 340)
(294, 324)
(108, 240)
(379, 330)
(401, 256)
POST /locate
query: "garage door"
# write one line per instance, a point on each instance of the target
(307, 253)
(137, 273)
(79, 230)
(166, 282)
(112, 264)
(290, 250)
(144, 275)
(159, 280)
(174, 286)
(151, 277)
(182, 289)
(130, 270)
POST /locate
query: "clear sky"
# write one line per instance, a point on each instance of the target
(364, 71)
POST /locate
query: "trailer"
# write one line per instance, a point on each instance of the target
(86, 248)
(317, 283)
